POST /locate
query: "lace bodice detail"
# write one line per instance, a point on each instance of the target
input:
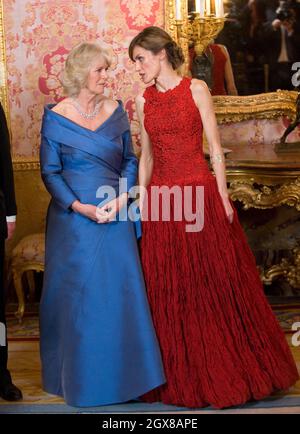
(173, 123)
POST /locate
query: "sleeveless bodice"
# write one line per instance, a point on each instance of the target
(173, 123)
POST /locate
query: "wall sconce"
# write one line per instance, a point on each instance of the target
(199, 26)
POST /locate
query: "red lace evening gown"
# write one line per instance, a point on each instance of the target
(220, 341)
(218, 70)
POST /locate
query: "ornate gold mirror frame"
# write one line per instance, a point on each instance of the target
(170, 25)
(263, 106)
(237, 108)
(3, 77)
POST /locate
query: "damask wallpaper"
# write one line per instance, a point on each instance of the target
(40, 33)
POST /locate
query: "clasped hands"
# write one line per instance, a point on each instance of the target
(108, 212)
(101, 214)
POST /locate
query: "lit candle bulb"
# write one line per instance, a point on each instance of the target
(219, 8)
(207, 7)
(200, 6)
(178, 10)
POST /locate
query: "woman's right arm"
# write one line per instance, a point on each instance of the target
(62, 194)
(146, 158)
(51, 168)
(229, 77)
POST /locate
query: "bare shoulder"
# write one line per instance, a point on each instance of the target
(63, 107)
(224, 49)
(201, 94)
(110, 105)
(199, 87)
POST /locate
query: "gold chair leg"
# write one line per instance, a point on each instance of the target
(17, 278)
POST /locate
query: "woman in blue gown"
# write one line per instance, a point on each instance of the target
(98, 345)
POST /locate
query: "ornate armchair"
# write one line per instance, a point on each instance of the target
(26, 250)
(28, 256)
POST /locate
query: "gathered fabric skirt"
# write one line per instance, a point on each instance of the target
(98, 344)
(221, 343)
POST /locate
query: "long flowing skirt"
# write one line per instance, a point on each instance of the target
(220, 341)
(98, 345)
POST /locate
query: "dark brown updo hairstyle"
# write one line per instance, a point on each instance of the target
(156, 39)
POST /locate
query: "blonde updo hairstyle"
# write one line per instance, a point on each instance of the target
(156, 39)
(78, 65)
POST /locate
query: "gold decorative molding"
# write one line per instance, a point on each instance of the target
(177, 31)
(204, 31)
(263, 106)
(264, 197)
(288, 268)
(25, 163)
(3, 69)
(170, 18)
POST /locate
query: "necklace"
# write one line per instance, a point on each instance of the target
(85, 115)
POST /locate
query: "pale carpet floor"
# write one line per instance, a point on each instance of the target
(24, 364)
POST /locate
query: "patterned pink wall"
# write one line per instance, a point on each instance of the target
(39, 35)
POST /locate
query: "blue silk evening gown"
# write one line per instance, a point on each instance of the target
(98, 345)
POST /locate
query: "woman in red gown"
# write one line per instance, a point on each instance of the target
(220, 341)
(222, 74)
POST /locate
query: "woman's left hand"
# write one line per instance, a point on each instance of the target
(107, 213)
(228, 208)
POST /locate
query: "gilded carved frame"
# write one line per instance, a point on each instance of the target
(263, 106)
(239, 108)
(3, 70)
(170, 18)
